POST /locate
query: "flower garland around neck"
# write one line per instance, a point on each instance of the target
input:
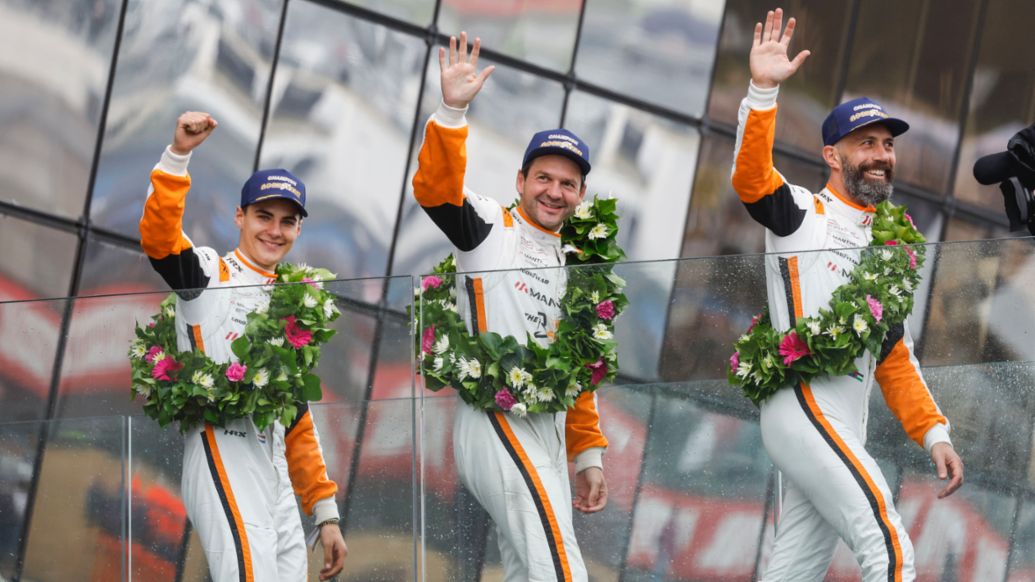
(275, 358)
(877, 297)
(492, 372)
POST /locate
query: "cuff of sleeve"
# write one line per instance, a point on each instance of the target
(173, 163)
(325, 509)
(759, 98)
(592, 457)
(936, 434)
(450, 116)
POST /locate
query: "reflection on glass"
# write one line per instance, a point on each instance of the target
(1002, 97)
(37, 261)
(18, 445)
(54, 82)
(418, 12)
(661, 52)
(921, 55)
(807, 97)
(346, 93)
(30, 333)
(511, 107)
(78, 528)
(116, 269)
(176, 56)
(541, 32)
(1022, 551)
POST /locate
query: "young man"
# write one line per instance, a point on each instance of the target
(239, 483)
(815, 434)
(517, 467)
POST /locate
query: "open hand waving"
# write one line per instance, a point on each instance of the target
(461, 80)
(769, 62)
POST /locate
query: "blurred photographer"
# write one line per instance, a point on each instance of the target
(1014, 171)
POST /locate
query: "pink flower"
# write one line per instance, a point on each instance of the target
(876, 309)
(151, 325)
(891, 243)
(793, 348)
(910, 219)
(296, 336)
(735, 361)
(505, 400)
(310, 282)
(606, 310)
(151, 353)
(599, 369)
(235, 372)
(427, 340)
(912, 257)
(754, 322)
(432, 282)
(163, 367)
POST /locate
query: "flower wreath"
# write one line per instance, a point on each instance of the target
(492, 372)
(877, 297)
(275, 356)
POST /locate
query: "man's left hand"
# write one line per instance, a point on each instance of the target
(949, 466)
(590, 490)
(334, 551)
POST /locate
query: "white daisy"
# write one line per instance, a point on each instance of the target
(601, 332)
(276, 341)
(743, 370)
(329, 308)
(598, 231)
(519, 409)
(138, 351)
(262, 377)
(835, 330)
(859, 325)
(885, 254)
(870, 276)
(813, 326)
(170, 312)
(907, 285)
(309, 301)
(584, 210)
(545, 395)
(202, 379)
(441, 345)
(569, 249)
(437, 364)
(895, 291)
(595, 297)
(517, 377)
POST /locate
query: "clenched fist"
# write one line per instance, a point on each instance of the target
(192, 128)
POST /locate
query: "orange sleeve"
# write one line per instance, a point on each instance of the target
(754, 176)
(582, 426)
(906, 393)
(442, 164)
(306, 465)
(161, 226)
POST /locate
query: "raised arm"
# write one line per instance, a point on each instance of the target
(438, 184)
(769, 199)
(161, 225)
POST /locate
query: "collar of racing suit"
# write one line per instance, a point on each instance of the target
(837, 202)
(538, 233)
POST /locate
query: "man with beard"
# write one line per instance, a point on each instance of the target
(815, 433)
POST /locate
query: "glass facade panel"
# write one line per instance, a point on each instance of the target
(541, 32)
(30, 331)
(922, 55)
(19, 447)
(347, 91)
(1002, 94)
(661, 52)
(418, 12)
(54, 76)
(176, 56)
(49, 253)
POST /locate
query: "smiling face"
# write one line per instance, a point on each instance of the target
(862, 164)
(268, 230)
(550, 190)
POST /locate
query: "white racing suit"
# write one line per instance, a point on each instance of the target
(517, 467)
(238, 483)
(815, 434)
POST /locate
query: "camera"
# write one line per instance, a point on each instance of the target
(1014, 170)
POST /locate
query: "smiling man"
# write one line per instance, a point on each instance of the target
(527, 495)
(816, 433)
(239, 483)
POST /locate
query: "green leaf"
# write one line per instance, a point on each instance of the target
(311, 391)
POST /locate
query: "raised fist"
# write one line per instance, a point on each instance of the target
(192, 128)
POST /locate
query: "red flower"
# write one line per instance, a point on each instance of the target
(912, 257)
(164, 367)
(427, 340)
(891, 243)
(793, 348)
(599, 369)
(296, 336)
(754, 322)
(606, 310)
(735, 361)
(505, 400)
(151, 353)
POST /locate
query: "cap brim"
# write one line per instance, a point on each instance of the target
(895, 126)
(301, 209)
(549, 150)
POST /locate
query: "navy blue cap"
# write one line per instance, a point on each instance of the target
(560, 142)
(270, 184)
(851, 115)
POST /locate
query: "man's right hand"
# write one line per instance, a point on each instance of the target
(770, 65)
(461, 80)
(192, 128)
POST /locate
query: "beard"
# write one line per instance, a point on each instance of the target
(866, 191)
